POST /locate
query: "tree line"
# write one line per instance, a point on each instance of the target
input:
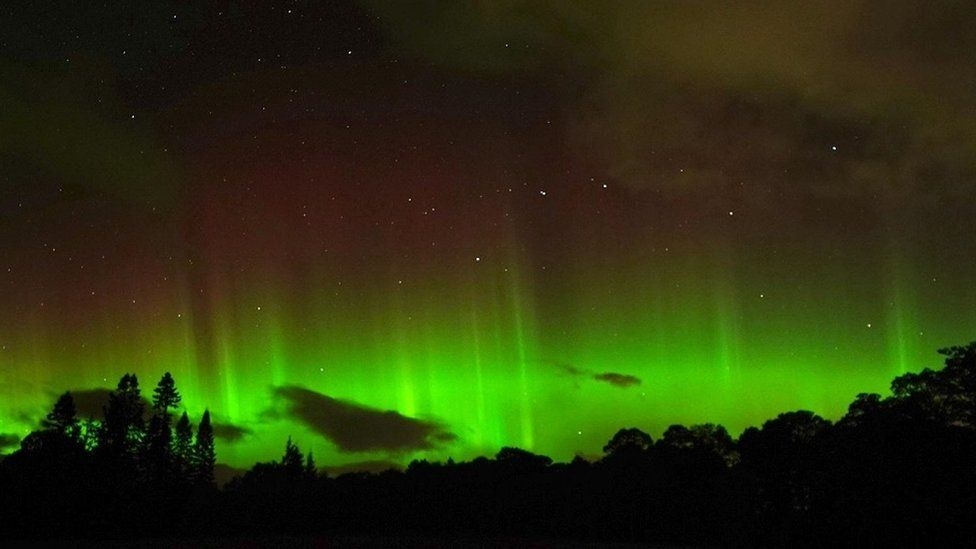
(895, 470)
(78, 477)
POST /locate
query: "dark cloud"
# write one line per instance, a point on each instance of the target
(26, 417)
(742, 98)
(572, 370)
(76, 135)
(357, 428)
(619, 380)
(229, 432)
(613, 378)
(90, 403)
(8, 441)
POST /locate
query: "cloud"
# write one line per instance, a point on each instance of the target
(90, 402)
(613, 378)
(229, 432)
(573, 370)
(353, 427)
(26, 417)
(8, 441)
(619, 380)
(745, 99)
(61, 138)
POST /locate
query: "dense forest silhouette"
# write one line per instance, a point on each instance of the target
(896, 470)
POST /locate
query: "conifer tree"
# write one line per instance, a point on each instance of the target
(123, 429)
(311, 471)
(204, 454)
(165, 395)
(293, 460)
(183, 443)
(62, 418)
(159, 452)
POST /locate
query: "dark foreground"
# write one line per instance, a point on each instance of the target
(895, 471)
(357, 542)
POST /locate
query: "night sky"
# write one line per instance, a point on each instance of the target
(398, 230)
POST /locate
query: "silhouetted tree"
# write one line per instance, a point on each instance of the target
(521, 460)
(183, 443)
(159, 452)
(947, 396)
(865, 405)
(63, 417)
(204, 453)
(706, 437)
(628, 441)
(311, 471)
(122, 430)
(165, 395)
(781, 462)
(677, 437)
(791, 429)
(293, 461)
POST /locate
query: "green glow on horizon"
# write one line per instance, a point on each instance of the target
(484, 351)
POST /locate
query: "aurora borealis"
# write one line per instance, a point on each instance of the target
(458, 226)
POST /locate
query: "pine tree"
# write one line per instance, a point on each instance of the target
(122, 431)
(183, 443)
(159, 452)
(204, 454)
(62, 418)
(159, 459)
(311, 471)
(293, 460)
(165, 395)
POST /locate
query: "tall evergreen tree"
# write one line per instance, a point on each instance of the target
(159, 452)
(311, 471)
(183, 443)
(204, 453)
(63, 418)
(165, 395)
(159, 458)
(123, 429)
(293, 460)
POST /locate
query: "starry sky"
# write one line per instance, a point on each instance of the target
(411, 229)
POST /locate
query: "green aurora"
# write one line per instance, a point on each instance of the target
(527, 248)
